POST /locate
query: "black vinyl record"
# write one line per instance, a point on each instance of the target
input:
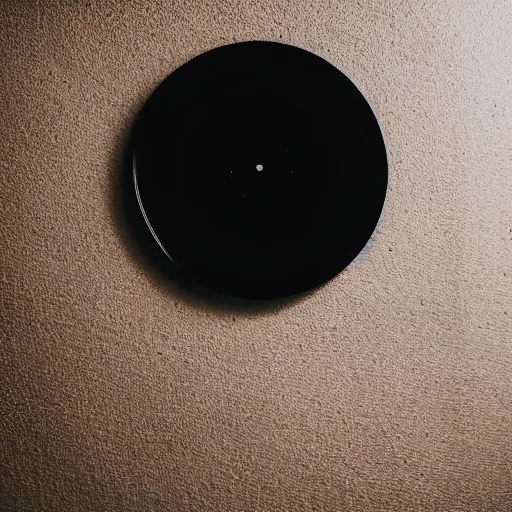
(260, 169)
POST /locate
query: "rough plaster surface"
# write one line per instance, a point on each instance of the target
(389, 389)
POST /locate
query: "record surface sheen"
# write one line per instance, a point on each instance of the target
(260, 169)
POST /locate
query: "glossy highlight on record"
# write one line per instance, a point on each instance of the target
(260, 169)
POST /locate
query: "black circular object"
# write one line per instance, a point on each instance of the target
(260, 169)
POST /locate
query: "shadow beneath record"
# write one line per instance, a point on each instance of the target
(144, 249)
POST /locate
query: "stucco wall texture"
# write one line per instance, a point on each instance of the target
(388, 389)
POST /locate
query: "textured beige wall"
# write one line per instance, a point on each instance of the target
(389, 389)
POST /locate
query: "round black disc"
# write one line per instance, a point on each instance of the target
(260, 169)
